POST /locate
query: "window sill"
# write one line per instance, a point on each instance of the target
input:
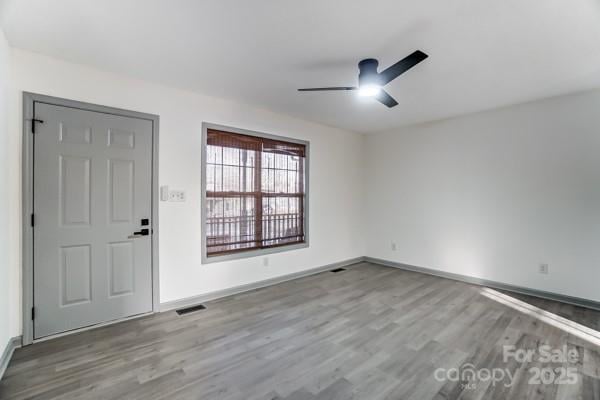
(252, 253)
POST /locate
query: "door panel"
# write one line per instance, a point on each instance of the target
(74, 190)
(121, 178)
(121, 268)
(75, 275)
(92, 187)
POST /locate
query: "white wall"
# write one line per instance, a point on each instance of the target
(494, 194)
(5, 304)
(335, 180)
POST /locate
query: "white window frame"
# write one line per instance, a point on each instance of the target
(251, 252)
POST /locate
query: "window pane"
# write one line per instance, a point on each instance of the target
(292, 182)
(213, 154)
(280, 161)
(293, 163)
(268, 180)
(231, 179)
(231, 156)
(282, 220)
(230, 223)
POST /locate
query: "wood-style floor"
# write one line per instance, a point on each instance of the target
(370, 332)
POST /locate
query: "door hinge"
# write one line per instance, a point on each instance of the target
(33, 121)
(32, 220)
(32, 313)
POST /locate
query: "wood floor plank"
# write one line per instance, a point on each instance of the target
(369, 332)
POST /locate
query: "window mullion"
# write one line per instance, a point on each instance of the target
(258, 207)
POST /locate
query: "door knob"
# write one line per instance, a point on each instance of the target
(143, 232)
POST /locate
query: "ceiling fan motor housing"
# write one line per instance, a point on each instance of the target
(368, 72)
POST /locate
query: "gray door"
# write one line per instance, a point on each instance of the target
(92, 189)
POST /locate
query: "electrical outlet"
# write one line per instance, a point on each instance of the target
(394, 247)
(544, 269)
(266, 261)
(176, 195)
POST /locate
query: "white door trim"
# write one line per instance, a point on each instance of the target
(29, 99)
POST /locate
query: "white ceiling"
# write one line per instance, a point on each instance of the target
(483, 53)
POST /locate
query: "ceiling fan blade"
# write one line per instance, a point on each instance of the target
(328, 88)
(384, 98)
(401, 66)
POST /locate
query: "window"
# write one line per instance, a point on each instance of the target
(254, 192)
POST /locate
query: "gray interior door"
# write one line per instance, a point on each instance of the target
(92, 189)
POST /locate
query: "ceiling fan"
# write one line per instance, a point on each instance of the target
(371, 82)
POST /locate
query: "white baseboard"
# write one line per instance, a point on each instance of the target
(577, 301)
(194, 300)
(13, 343)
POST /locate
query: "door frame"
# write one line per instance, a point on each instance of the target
(27, 200)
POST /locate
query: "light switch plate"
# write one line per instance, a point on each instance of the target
(164, 193)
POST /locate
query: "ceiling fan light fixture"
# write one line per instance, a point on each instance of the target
(369, 90)
(371, 82)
